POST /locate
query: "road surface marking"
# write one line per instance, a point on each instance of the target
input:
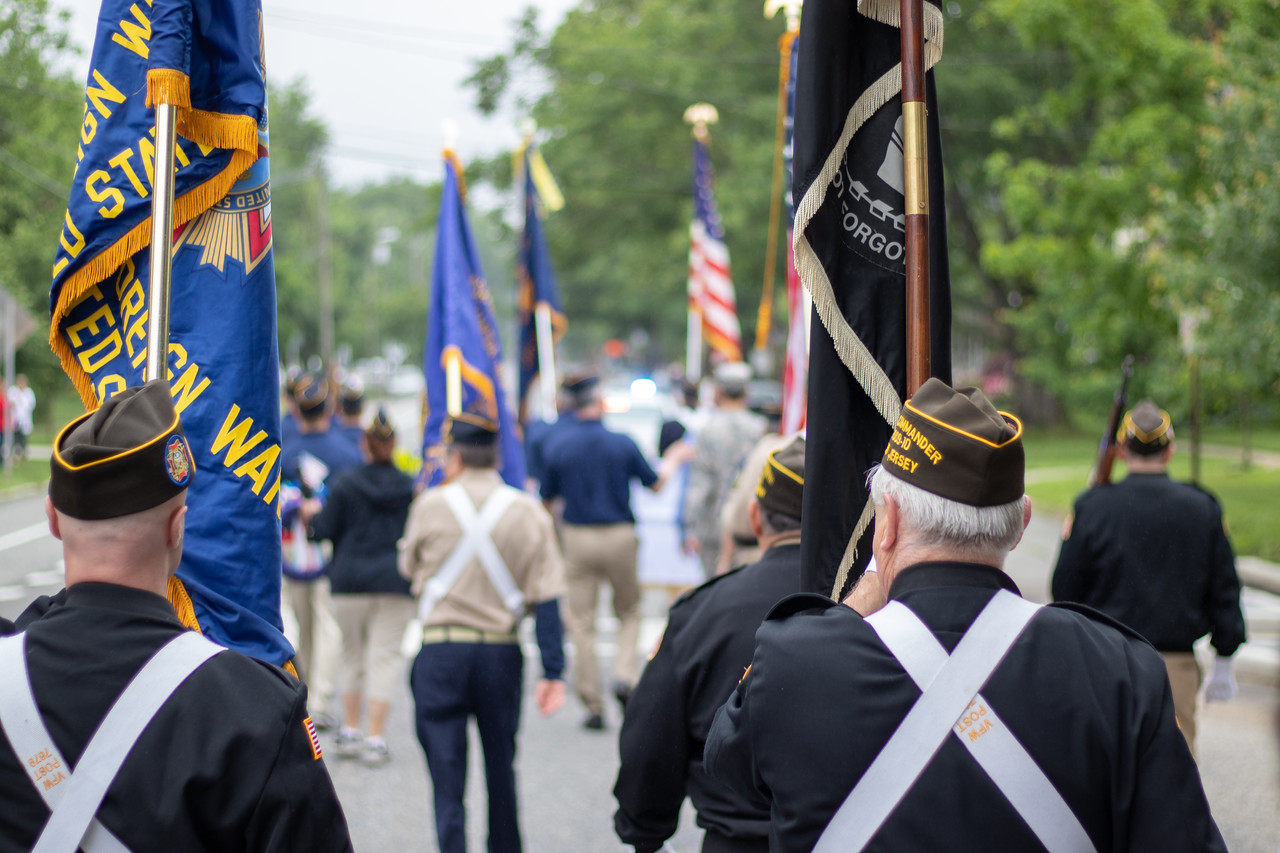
(24, 535)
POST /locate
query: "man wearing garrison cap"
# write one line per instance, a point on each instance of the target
(705, 649)
(316, 453)
(590, 469)
(480, 555)
(136, 733)
(1154, 554)
(956, 715)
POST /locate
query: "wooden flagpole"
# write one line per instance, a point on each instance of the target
(915, 159)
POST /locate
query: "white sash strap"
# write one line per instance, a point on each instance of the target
(922, 732)
(987, 738)
(33, 745)
(475, 543)
(70, 824)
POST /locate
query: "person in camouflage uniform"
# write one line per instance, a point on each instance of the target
(729, 434)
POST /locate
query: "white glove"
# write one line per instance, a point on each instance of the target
(1222, 683)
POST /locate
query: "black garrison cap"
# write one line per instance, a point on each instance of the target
(952, 442)
(380, 427)
(1146, 429)
(310, 393)
(470, 429)
(781, 486)
(128, 455)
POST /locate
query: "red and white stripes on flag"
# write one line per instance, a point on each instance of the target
(795, 368)
(710, 285)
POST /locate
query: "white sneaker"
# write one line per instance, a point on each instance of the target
(348, 744)
(375, 753)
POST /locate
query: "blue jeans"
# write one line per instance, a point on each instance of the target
(452, 682)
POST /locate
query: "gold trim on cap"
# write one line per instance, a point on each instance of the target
(1008, 417)
(57, 445)
(1131, 428)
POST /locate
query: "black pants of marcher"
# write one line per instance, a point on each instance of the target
(452, 682)
(714, 842)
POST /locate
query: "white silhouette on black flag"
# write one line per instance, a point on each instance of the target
(850, 250)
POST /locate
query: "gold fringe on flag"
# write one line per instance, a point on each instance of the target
(168, 86)
(451, 157)
(185, 208)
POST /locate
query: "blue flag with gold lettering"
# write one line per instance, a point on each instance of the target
(205, 58)
(536, 283)
(461, 328)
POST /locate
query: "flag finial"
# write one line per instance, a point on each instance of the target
(700, 115)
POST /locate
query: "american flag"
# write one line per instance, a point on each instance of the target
(710, 287)
(795, 368)
(316, 752)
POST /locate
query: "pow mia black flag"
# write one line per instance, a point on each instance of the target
(850, 249)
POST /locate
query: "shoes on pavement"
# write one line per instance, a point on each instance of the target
(594, 722)
(324, 721)
(348, 743)
(622, 692)
(375, 753)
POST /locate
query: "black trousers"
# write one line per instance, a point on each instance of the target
(714, 842)
(452, 682)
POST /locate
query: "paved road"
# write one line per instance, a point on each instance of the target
(566, 773)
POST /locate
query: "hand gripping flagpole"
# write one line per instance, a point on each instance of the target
(161, 274)
(916, 183)
(786, 44)
(699, 115)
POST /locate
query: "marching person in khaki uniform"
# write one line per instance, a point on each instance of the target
(591, 468)
(480, 555)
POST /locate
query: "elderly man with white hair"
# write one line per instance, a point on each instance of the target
(946, 712)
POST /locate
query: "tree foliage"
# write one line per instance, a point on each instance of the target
(40, 111)
(608, 89)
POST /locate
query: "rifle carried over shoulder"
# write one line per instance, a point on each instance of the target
(1101, 472)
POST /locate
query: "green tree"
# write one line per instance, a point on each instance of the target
(1223, 255)
(40, 112)
(608, 89)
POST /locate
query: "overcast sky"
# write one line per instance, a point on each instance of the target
(384, 75)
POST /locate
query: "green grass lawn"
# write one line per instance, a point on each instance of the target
(1057, 465)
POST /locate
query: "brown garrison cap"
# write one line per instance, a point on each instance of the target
(781, 486)
(380, 427)
(1146, 429)
(470, 429)
(126, 456)
(953, 443)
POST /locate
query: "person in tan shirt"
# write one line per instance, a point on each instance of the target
(480, 556)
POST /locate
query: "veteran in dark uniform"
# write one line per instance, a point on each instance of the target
(480, 555)
(135, 732)
(705, 649)
(1154, 554)
(591, 469)
(1037, 728)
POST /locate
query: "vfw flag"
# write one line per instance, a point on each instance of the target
(710, 285)
(535, 277)
(205, 58)
(849, 248)
(461, 327)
